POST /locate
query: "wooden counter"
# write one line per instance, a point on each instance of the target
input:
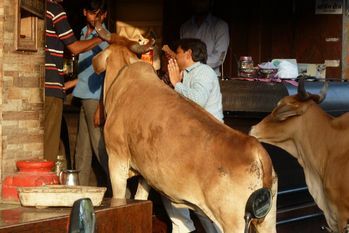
(113, 216)
(255, 97)
(251, 96)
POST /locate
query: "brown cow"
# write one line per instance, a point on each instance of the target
(320, 143)
(177, 147)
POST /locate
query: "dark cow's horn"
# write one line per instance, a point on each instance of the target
(301, 92)
(139, 49)
(303, 95)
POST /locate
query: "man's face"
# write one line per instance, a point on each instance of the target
(92, 16)
(200, 6)
(182, 57)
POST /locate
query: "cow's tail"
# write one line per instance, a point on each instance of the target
(270, 181)
(267, 223)
(267, 168)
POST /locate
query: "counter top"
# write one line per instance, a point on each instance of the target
(261, 97)
(114, 215)
(251, 96)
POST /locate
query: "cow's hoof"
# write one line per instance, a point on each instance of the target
(325, 228)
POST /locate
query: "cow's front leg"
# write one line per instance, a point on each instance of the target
(118, 170)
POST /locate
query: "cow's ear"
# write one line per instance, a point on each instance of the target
(285, 111)
(99, 61)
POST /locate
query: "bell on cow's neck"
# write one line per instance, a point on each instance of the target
(148, 57)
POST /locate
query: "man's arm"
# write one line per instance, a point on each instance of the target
(221, 44)
(70, 84)
(198, 92)
(81, 46)
(201, 85)
(65, 33)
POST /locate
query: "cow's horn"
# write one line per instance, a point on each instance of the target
(301, 92)
(322, 95)
(140, 49)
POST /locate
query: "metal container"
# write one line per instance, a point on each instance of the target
(69, 177)
(61, 164)
(246, 68)
(246, 62)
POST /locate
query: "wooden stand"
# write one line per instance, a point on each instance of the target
(113, 216)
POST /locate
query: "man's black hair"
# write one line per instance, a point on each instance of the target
(197, 46)
(95, 5)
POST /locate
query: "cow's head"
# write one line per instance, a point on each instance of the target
(138, 46)
(112, 60)
(290, 115)
(122, 51)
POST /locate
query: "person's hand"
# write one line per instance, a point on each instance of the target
(98, 119)
(173, 71)
(168, 52)
(103, 33)
(70, 84)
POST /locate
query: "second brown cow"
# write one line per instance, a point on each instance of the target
(320, 144)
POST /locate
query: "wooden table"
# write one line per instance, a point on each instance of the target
(113, 216)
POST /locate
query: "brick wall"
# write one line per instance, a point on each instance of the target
(21, 96)
(345, 46)
(1, 73)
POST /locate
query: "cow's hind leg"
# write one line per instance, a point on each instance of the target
(118, 170)
(142, 189)
(346, 228)
(268, 225)
(343, 221)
